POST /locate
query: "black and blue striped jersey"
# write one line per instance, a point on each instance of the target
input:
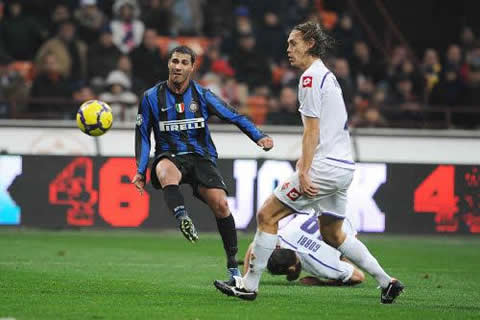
(179, 122)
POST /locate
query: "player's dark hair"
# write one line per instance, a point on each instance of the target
(280, 261)
(322, 42)
(184, 50)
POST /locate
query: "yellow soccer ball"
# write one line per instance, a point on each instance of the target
(94, 117)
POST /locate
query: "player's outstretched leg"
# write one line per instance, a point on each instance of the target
(175, 202)
(354, 250)
(185, 224)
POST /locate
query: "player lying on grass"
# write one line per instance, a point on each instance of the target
(300, 247)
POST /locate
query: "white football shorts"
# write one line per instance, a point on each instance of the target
(333, 183)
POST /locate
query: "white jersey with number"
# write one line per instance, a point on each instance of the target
(320, 96)
(302, 235)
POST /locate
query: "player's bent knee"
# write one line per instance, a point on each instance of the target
(167, 173)
(265, 218)
(332, 237)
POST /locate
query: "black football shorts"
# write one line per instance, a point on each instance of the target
(196, 171)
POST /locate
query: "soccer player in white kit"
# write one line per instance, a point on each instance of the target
(300, 247)
(324, 172)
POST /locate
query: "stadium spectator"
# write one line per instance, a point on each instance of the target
(297, 11)
(127, 29)
(408, 70)
(431, 69)
(219, 17)
(467, 39)
(407, 107)
(13, 91)
(454, 58)
(393, 65)
(242, 26)
(346, 35)
(361, 63)
(272, 38)
(450, 90)
(118, 95)
(60, 14)
(188, 17)
(147, 61)
(124, 64)
(473, 82)
(369, 113)
(287, 112)
(103, 57)
(51, 90)
(250, 65)
(70, 53)
(158, 15)
(90, 20)
(22, 35)
(83, 93)
(347, 83)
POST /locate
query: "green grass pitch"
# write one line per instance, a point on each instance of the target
(159, 275)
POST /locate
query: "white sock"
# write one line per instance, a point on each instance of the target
(356, 251)
(263, 246)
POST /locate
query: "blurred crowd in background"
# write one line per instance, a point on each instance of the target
(54, 55)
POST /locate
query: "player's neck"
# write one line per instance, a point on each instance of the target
(178, 88)
(308, 61)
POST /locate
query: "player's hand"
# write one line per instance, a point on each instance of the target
(266, 143)
(307, 187)
(139, 182)
(297, 165)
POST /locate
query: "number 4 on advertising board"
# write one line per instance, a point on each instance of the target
(436, 194)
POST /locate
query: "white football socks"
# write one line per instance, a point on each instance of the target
(356, 251)
(263, 246)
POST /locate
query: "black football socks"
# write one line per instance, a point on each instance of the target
(175, 202)
(226, 228)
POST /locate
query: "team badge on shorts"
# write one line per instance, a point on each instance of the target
(293, 194)
(139, 120)
(307, 82)
(194, 106)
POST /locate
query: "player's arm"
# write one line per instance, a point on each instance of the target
(227, 113)
(310, 98)
(143, 131)
(311, 134)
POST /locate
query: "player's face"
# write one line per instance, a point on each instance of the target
(297, 49)
(180, 68)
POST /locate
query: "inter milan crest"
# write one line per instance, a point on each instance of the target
(180, 107)
(194, 106)
(139, 120)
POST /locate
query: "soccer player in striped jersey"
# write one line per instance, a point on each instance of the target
(177, 111)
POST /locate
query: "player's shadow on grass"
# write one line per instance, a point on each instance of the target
(282, 283)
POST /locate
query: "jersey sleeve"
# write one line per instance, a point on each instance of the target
(227, 113)
(143, 129)
(310, 95)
